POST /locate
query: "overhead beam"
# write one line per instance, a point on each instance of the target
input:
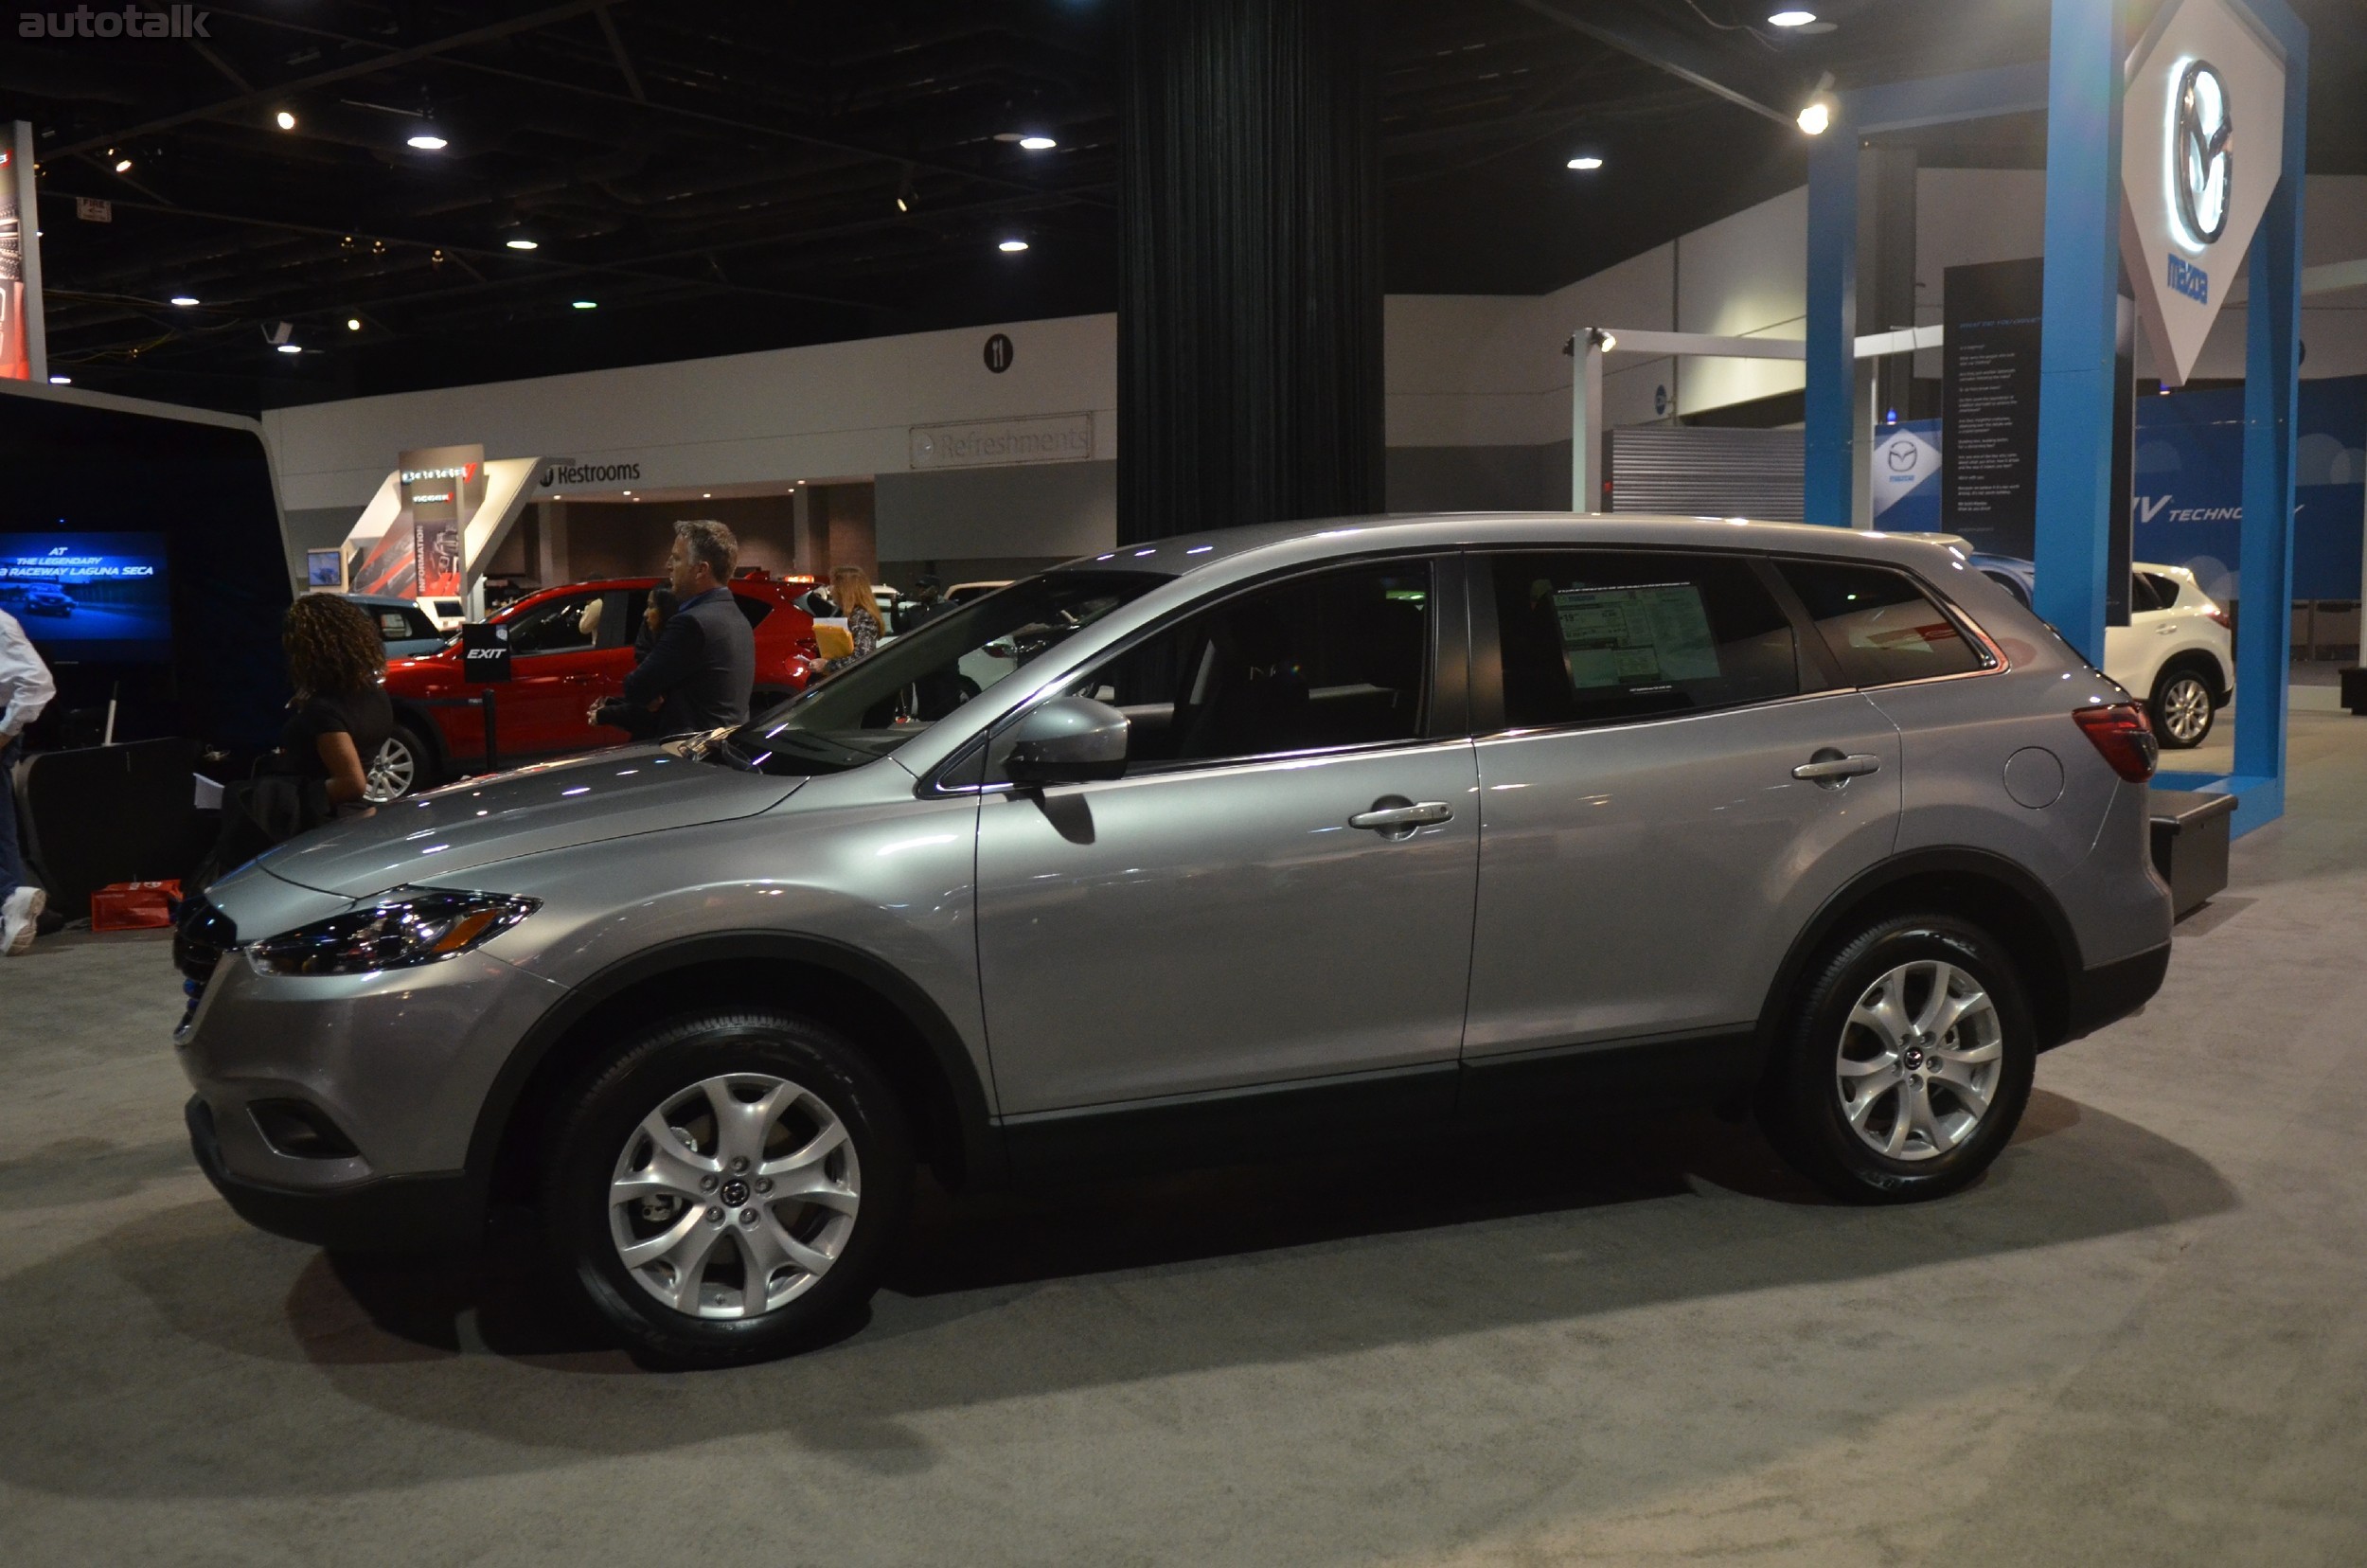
(1656, 44)
(624, 61)
(225, 108)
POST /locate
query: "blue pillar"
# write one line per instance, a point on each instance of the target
(2081, 306)
(1827, 484)
(2265, 544)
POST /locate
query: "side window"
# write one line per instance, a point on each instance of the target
(1880, 625)
(568, 624)
(1333, 659)
(1592, 637)
(394, 626)
(753, 609)
(2165, 590)
(2144, 594)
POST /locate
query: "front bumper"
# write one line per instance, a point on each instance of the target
(2110, 992)
(377, 1214)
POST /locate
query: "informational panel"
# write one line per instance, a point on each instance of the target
(1989, 406)
(441, 488)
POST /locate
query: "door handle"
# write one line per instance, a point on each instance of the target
(1833, 770)
(1394, 816)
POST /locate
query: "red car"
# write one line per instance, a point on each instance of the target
(569, 648)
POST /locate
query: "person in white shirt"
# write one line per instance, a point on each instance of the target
(25, 688)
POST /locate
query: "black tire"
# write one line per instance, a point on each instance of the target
(402, 743)
(600, 1127)
(1802, 1104)
(2182, 698)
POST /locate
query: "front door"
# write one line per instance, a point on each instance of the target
(1678, 782)
(564, 655)
(1280, 888)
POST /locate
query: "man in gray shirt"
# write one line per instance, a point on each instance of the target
(700, 673)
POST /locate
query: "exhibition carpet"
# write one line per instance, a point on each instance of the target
(2141, 1340)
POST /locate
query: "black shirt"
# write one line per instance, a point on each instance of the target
(367, 716)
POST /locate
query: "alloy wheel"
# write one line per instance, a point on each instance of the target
(391, 774)
(735, 1196)
(1919, 1059)
(2185, 710)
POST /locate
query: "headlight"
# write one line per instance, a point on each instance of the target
(406, 927)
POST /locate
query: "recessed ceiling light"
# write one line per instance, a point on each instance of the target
(1037, 144)
(353, 324)
(1588, 162)
(68, 380)
(185, 299)
(123, 166)
(1792, 19)
(284, 120)
(706, 495)
(289, 348)
(522, 244)
(426, 143)
(1012, 246)
(587, 304)
(629, 492)
(1817, 118)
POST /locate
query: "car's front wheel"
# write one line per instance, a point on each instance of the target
(1906, 1064)
(729, 1186)
(2181, 708)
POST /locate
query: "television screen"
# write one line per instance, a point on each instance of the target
(325, 568)
(89, 597)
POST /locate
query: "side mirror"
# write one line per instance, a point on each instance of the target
(1068, 741)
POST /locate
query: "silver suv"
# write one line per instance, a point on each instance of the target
(1259, 839)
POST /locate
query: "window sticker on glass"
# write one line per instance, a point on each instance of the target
(1642, 637)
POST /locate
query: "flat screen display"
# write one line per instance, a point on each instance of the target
(325, 568)
(89, 597)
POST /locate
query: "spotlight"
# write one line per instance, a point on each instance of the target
(427, 143)
(1013, 247)
(284, 120)
(123, 166)
(1817, 117)
(902, 205)
(1589, 163)
(184, 300)
(1037, 144)
(61, 381)
(521, 244)
(290, 347)
(353, 324)
(587, 304)
(1792, 19)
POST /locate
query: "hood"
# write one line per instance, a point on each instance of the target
(434, 839)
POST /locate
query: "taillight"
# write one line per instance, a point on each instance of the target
(2220, 615)
(2121, 737)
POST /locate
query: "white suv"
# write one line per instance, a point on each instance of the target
(2178, 648)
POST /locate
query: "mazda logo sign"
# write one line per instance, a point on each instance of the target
(1901, 455)
(2202, 164)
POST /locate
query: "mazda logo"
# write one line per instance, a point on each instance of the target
(1901, 455)
(2202, 166)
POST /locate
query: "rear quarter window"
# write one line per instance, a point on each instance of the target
(754, 609)
(1880, 625)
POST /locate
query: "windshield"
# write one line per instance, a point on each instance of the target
(869, 708)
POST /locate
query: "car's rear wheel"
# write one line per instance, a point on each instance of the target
(1906, 1064)
(400, 766)
(2180, 707)
(728, 1189)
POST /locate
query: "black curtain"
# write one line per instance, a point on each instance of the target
(1249, 328)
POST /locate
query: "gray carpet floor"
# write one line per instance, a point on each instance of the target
(2141, 1340)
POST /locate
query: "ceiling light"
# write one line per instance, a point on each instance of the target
(1817, 117)
(123, 166)
(1589, 162)
(1611, 340)
(289, 348)
(902, 205)
(68, 380)
(426, 143)
(1012, 246)
(1792, 19)
(284, 120)
(587, 304)
(185, 299)
(706, 495)
(521, 244)
(353, 324)
(1037, 144)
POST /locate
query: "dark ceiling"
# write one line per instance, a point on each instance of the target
(750, 173)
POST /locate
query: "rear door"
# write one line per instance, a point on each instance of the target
(1671, 780)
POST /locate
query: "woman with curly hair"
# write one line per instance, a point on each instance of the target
(340, 716)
